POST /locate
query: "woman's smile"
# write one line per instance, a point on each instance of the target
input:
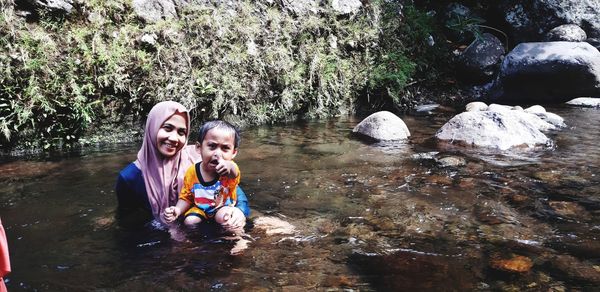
(171, 136)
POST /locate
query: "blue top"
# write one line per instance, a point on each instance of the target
(131, 192)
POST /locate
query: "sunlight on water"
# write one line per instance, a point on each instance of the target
(366, 216)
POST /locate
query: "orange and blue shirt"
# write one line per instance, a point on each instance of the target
(131, 193)
(208, 197)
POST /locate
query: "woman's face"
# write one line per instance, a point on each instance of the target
(172, 135)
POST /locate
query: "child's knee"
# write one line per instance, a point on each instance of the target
(226, 213)
(192, 220)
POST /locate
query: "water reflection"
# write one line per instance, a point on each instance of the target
(368, 216)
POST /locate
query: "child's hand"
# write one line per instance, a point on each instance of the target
(171, 213)
(226, 167)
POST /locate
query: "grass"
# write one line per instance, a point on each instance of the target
(252, 62)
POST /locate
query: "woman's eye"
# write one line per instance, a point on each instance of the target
(182, 132)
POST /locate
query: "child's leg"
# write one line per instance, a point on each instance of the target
(192, 220)
(193, 216)
(231, 218)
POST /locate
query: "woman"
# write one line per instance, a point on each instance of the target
(152, 183)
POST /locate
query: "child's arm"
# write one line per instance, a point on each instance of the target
(227, 168)
(173, 212)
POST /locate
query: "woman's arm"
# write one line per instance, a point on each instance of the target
(133, 205)
(242, 202)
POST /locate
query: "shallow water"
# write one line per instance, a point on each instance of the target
(383, 216)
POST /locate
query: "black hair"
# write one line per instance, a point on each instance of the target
(219, 124)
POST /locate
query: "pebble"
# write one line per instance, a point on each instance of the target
(516, 264)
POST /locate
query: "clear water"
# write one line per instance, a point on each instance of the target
(367, 216)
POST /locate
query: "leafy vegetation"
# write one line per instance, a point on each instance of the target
(473, 26)
(251, 62)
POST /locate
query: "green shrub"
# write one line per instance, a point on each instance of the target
(252, 62)
(60, 75)
(402, 57)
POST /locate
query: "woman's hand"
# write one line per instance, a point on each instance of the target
(171, 214)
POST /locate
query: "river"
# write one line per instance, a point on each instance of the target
(368, 216)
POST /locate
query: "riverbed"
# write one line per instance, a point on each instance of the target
(410, 215)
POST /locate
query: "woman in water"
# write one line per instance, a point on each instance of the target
(152, 183)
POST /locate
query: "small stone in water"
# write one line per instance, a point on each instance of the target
(466, 183)
(517, 198)
(518, 264)
(217, 286)
(568, 209)
(61, 268)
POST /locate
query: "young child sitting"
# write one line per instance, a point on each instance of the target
(209, 188)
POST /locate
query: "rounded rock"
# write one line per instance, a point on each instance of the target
(384, 126)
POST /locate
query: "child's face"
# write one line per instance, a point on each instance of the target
(172, 135)
(217, 144)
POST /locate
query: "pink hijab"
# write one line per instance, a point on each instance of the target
(163, 176)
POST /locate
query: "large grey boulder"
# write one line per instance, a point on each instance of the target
(495, 129)
(530, 20)
(384, 126)
(551, 72)
(595, 42)
(567, 33)
(480, 60)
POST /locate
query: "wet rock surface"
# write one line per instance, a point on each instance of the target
(500, 126)
(571, 267)
(585, 102)
(492, 213)
(501, 130)
(273, 225)
(516, 264)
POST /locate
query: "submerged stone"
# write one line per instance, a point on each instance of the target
(569, 210)
(516, 264)
(451, 161)
(492, 213)
(274, 225)
(572, 267)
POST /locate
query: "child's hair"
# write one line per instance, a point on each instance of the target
(222, 125)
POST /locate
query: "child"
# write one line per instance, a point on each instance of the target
(209, 186)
